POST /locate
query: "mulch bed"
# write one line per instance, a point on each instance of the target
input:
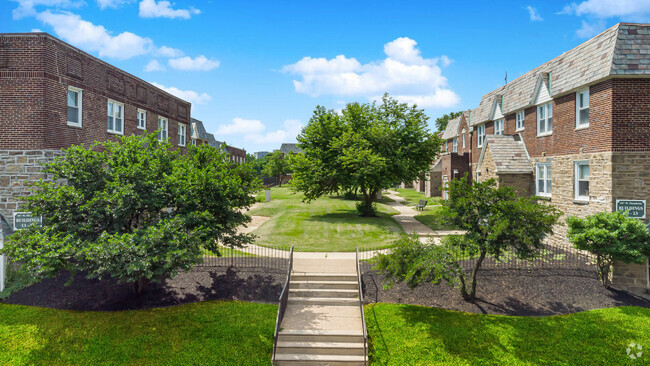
(199, 284)
(529, 292)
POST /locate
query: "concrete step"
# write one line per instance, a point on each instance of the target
(349, 285)
(321, 348)
(333, 301)
(331, 293)
(319, 360)
(290, 335)
(300, 276)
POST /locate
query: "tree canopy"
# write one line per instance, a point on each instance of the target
(276, 165)
(134, 210)
(441, 122)
(367, 147)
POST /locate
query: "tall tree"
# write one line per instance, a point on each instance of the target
(367, 147)
(276, 165)
(134, 210)
(441, 122)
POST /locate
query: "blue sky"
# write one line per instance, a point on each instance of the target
(254, 71)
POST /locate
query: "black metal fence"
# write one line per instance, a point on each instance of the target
(251, 256)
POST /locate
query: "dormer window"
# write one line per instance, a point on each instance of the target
(498, 127)
(582, 108)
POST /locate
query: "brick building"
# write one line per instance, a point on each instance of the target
(53, 96)
(574, 131)
(201, 137)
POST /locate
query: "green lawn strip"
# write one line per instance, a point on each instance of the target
(325, 224)
(432, 218)
(417, 335)
(228, 252)
(413, 197)
(211, 333)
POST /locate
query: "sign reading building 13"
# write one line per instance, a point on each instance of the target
(634, 208)
(24, 219)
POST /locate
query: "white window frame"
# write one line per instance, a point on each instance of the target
(548, 179)
(142, 113)
(79, 107)
(578, 109)
(463, 139)
(163, 129)
(520, 118)
(576, 167)
(547, 120)
(113, 130)
(499, 122)
(480, 135)
(193, 142)
(182, 141)
(454, 145)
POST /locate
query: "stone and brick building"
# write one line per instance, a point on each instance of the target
(53, 96)
(574, 131)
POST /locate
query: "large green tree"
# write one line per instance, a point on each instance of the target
(134, 210)
(495, 221)
(365, 148)
(276, 165)
(441, 122)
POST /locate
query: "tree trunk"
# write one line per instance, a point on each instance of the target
(603, 269)
(140, 285)
(471, 296)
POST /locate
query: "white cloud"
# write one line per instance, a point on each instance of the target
(188, 95)
(165, 51)
(534, 15)
(637, 9)
(153, 65)
(404, 72)
(241, 126)
(588, 30)
(291, 129)
(27, 8)
(103, 4)
(91, 37)
(200, 63)
(36, 30)
(163, 9)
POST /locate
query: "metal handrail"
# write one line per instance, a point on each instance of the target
(284, 298)
(363, 315)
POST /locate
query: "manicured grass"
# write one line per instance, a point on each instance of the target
(208, 333)
(413, 197)
(430, 216)
(326, 224)
(228, 253)
(416, 335)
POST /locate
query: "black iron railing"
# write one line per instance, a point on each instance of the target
(284, 298)
(250, 256)
(363, 315)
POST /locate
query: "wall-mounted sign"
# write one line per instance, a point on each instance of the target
(24, 219)
(634, 208)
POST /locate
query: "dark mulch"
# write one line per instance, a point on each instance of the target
(199, 284)
(530, 292)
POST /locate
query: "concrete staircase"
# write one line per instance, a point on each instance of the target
(322, 324)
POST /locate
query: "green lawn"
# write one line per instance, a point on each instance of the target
(208, 333)
(430, 216)
(416, 335)
(326, 224)
(413, 197)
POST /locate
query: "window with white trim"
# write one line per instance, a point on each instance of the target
(74, 106)
(115, 119)
(181, 134)
(545, 119)
(480, 135)
(582, 108)
(519, 117)
(581, 187)
(544, 177)
(163, 128)
(193, 142)
(498, 127)
(454, 145)
(142, 119)
(463, 139)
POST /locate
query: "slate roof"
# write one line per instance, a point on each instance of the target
(453, 127)
(436, 166)
(509, 154)
(200, 129)
(214, 142)
(287, 148)
(623, 49)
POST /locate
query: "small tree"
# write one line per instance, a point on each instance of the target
(610, 236)
(365, 148)
(495, 221)
(134, 210)
(276, 165)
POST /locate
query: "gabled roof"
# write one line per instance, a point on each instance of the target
(287, 148)
(453, 126)
(214, 142)
(200, 130)
(509, 154)
(436, 166)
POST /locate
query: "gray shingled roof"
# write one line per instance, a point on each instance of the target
(453, 127)
(214, 142)
(623, 49)
(286, 148)
(509, 154)
(200, 129)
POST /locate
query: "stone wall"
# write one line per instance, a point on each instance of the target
(522, 183)
(433, 185)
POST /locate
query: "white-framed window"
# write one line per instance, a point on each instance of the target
(544, 177)
(545, 119)
(454, 144)
(582, 108)
(74, 106)
(519, 117)
(193, 142)
(463, 139)
(498, 127)
(581, 187)
(163, 128)
(181, 134)
(480, 135)
(115, 119)
(142, 119)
